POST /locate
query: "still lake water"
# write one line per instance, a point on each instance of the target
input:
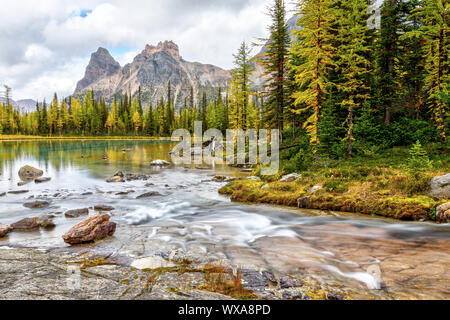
(337, 249)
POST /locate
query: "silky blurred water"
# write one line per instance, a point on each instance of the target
(340, 249)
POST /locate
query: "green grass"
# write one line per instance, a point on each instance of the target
(376, 185)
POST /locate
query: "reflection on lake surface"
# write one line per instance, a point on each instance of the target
(414, 258)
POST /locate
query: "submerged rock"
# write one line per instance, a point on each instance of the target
(37, 204)
(26, 224)
(4, 230)
(443, 213)
(42, 180)
(291, 177)
(133, 177)
(103, 208)
(76, 213)
(2, 194)
(440, 187)
(18, 191)
(29, 172)
(149, 194)
(160, 163)
(91, 229)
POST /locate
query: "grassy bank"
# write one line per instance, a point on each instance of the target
(379, 186)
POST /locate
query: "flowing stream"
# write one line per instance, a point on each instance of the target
(375, 258)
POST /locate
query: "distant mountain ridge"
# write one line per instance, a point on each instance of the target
(24, 105)
(151, 70)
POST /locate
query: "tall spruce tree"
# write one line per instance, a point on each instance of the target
(352, 59)
(275, 62)
(314, 47)
(241, 73)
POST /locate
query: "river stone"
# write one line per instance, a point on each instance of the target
(254, 178)
(314, 189)
(115, 179)
(26, 224)
(443, 213)
(4, 230)
(119, 174)
(149, 194)
(76, 213)
(2, 194)
(287, 282)
(303, 202)
(94, 228)
(264, 187)
(440, 187)
(36, 204)
(18, 191)
(291, 177)
(42, 180)
(48, 224)
(103, 208)
(29, 172)
(161, 163)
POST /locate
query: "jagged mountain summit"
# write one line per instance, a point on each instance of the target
(151, 70)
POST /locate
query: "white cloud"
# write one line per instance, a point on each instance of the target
(46, 46)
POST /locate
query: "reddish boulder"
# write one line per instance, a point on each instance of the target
(94, 228)
(4, 230)
(26, 224)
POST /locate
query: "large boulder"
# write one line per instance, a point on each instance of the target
(28, 172)
(4, 230)
(440, 187)
(94, 228)
(443, 213)
(26, 224)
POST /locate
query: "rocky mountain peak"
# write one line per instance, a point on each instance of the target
(102, 64)
(168, 47)
(151, 71)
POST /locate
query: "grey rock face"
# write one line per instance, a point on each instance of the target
(102, 64)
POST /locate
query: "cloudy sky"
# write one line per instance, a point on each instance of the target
(46, 45)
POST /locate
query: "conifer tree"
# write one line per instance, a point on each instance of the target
(241, 74)
(351, 59)
(314, 47)
(275, 62)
